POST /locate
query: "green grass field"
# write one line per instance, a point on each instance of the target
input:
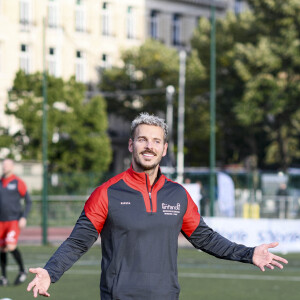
(201, 277)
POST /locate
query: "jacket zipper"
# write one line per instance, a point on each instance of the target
(150, 201)
(149, 193)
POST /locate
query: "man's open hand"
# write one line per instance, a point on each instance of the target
(40, 283)
(263, 258)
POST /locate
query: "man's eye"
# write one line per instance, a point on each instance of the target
(141, 140)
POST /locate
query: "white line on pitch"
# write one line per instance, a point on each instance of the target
(207, 275)
(237, 276)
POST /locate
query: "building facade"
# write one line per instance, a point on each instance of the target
(67, 37)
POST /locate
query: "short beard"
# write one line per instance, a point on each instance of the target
(143, 167)
(146, 168)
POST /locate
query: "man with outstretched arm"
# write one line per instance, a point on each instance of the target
(139, 215)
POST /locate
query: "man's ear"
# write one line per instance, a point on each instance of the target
(130, 145)
(165, 149)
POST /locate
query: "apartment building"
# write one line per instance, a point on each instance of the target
(72, 37)
(77, 37)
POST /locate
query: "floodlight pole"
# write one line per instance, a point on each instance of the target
(212, 107)
(44, 145)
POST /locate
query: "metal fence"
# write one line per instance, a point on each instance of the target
(64, 210)
(256, 196)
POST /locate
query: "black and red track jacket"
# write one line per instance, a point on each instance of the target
(139, 226)
(12, 190)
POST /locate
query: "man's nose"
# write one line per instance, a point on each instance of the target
(149, 144)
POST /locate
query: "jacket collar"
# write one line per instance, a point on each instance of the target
(141, 178)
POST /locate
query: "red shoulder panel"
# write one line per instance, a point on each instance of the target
(21, 187)
(191, 218)
(96, 207)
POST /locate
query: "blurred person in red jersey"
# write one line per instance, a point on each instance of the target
(12, 219)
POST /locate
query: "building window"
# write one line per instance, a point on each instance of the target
(176, 30)
(25, 16)
(238, 6)
(25, 58)
(105, 61)
(52, 62)
(106, 19)
(197, 20)
(53, 13)
(130, 23)
(154, 24)
(80, 66)
(80, 16)
(78, 54)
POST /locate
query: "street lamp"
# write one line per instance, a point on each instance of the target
(170, 90)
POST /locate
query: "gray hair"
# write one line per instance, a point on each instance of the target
(145, 118)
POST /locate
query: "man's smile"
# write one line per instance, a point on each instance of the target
(148, 154)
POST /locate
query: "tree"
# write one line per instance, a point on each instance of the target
(196, 113)
(77, 137)
(232, 138)
(270, 70)
(257, 86)
(257, 82)
(6, 140)
(139, 85)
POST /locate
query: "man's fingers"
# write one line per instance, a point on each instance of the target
(269, 266)
(277, 264)
(34, 270)
(262, 268)
(279, 258)
(30, 285)
(42, 293)
(37, 291)
(272, 245)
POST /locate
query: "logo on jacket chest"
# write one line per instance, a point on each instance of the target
(12, 186)
(170, 210)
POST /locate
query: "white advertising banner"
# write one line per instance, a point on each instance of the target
(253, 232)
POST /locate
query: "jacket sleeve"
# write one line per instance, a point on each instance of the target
(22, 189)
(28, 204)
(83, 236)
(80, 240)
(202, 237)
